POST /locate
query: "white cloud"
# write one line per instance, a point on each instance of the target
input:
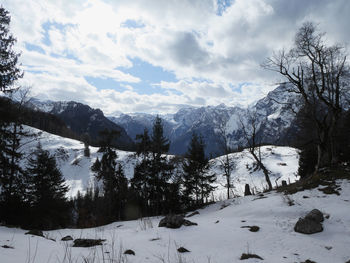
(186, 37)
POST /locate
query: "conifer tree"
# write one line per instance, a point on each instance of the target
(152, 175)
(114, 182)
(9, 69)
(47, 191)
(11, 195)
(197, 181)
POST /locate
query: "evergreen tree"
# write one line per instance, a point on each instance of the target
(11, 187)
(47, 191)
(9, 69)
(197, 181)
(143, 146)
(152, 175)
(115, 184)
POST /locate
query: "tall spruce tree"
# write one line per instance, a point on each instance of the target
(47, 191)
(197, 182)
(115, 184)
(11, 196)
(153, 173)
(9, 66)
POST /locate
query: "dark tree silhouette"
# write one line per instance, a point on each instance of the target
(9, 67)
(47, 191)
(319, 73)
(197, 182)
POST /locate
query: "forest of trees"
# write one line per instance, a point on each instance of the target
(33, 185)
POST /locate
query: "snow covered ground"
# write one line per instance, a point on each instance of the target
(281, 161)
(218, 238)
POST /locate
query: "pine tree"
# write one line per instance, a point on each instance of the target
(197, 181)
(11, 188)
(115, 184)
(143, 146)
(152, 175)
(9, 69)
(47, 191)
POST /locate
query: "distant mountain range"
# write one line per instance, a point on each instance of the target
(273, 114)
(274, 117)
(84, 121)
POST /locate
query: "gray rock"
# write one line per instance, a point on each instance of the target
(182, 250)
(66, 238)
(315, 215)
(129, 252)
(311, 223)
(308, 226)
(85, 242)
(175, 221)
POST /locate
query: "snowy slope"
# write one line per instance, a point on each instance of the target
(282, 162)
(69, 153)
(76, 168)
(218, 238)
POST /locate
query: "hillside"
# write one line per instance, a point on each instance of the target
(281, 161)
(218, 238)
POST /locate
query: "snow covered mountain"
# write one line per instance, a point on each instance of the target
(82, 119)
(281, 161)
(273, 114)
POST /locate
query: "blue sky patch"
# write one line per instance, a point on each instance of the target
(31, 47)
(133, 24)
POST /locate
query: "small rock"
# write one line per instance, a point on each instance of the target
(217, 221)
(129, 252)
(305, 196)
(35, 232)
(252, 228)
(182, 250)
(248, 256)
(85, 242)
(66, 238)
(175, 221)
(6, 246)
(308, 261)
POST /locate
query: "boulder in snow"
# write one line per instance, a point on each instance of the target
(315, 215)
(182, 250)
(84, 242)
(175, 221)
(129, 252)
(311, 223)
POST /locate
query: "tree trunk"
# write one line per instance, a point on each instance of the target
(262, 167)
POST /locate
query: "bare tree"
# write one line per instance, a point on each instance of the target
(227, 162)
(250, 129)
(320, 75)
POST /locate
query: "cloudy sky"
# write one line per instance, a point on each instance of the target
(159, 55)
